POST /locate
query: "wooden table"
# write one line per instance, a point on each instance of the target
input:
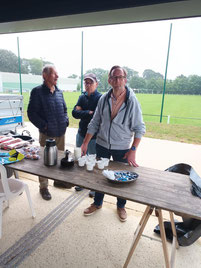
(159, 190)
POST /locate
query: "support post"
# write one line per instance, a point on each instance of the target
(19, 64)
(164, 87)
(168, 119)
(82, 64)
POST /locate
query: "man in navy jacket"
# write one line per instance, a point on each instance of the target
(84, 110)
(48, 112)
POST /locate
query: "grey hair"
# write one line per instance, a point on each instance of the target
(48, 68)
(117, 67)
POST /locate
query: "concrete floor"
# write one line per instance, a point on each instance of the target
(60, 236)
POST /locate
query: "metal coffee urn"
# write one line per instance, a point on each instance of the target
(50, 153)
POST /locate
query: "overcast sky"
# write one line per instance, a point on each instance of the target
(138, 46)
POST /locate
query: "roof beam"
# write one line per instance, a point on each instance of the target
(171, 10)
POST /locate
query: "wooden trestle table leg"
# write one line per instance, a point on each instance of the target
(163, 236)
(140, 228)
(168, 263)
(138, 233)
(175, 244)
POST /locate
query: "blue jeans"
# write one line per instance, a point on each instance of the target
(117, 155)
(91, 145)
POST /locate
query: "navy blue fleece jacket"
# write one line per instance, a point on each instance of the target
(48, 111)
(87, 103)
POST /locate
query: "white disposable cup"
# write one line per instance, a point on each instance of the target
(91, 157)
(81, 162)
(77, 152)
(90, 166)
(106, 161)
(100, 164)
(91, 161)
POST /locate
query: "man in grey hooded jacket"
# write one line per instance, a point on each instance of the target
(119, 126)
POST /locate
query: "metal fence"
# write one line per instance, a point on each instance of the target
(169, 117)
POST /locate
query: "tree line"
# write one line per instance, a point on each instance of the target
(9, 63)
(153, 82)
(149, 82)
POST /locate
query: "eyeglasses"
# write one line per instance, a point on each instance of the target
(117, 77)
(88, 83)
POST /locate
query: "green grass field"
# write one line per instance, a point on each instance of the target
(182, 129)
(186, 106)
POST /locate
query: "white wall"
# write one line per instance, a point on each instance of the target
(65, 84)
(1, 84)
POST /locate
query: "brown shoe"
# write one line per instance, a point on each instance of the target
(122, 214)
(90, 210)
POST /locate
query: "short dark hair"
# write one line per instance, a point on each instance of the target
(117, 67)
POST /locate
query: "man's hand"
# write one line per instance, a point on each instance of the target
(84, 148)
(91, 112)
(130, 156)
(78, 108)
(85, 143)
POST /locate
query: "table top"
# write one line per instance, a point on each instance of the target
(162, 189)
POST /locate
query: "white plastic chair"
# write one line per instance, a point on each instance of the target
(9, 189)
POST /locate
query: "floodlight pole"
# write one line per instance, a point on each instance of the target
(82, 64)
(164, 87)
(19, 64)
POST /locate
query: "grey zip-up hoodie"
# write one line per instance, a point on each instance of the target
(118, 133)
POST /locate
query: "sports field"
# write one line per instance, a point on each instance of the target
(184, 107)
